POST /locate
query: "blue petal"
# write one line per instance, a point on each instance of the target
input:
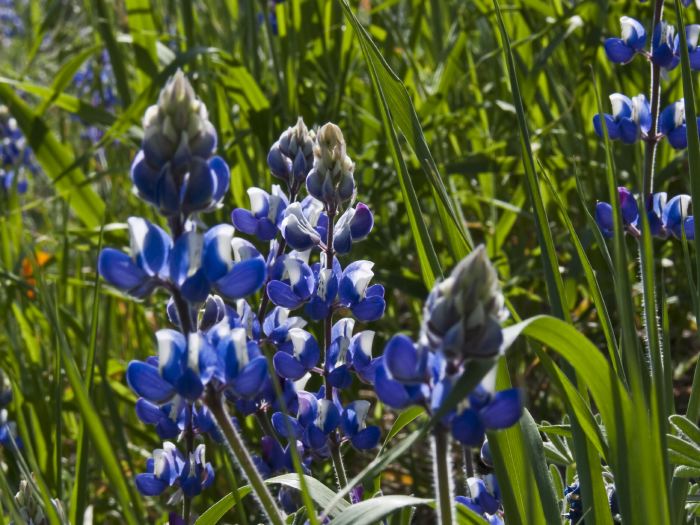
(390, 392)
(340, 377)
(402, 360)
(604, 218)
(613, 127)
(196, 288)
(250, 380)
(145, 178)
(280, 166)
(149, 485)
(629, 131)
(287, 366)
(150, 246)
(222, 176)
(369, 309)
(628, 204)
(199, 189)
(282, 295)
(283, 424)
(145, 380)
(362, 222)
(147, 412)
(504, 409)
(266, 230)
(119, 270)
(667, 119)
(618, 51)
(316, 309)
(678, 138)
(245, 278)
(244, 221)
(467, 428)
(366, 439)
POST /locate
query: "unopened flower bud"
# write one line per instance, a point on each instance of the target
(331, 180)
(292, 156)
(462, 315)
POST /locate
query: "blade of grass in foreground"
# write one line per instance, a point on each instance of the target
(590, 471)
(429, 264)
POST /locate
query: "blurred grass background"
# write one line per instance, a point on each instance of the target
(258, 65)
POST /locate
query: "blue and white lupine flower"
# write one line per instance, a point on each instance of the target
(672, 124)
(95, 82)
(337, 359)
(165, 418)
(294, 361)
(676, 219)
(292, 156)
(296, 229)
(326, 284)
(632, 41)
(692, 33)
(366, 302)
(352, 226)
(316, 419)
(214, 311)
(273, 458)
(139, 273)
(239, 364)
(292, 282)
(630, 119)
(463, 314)
(486, 411)
(484, 498)
(360, 351)
(233, 265)
(277, 325)
(176, 170)
(331, 180)
(664, 45)
(630, 214)
(169, 468)
(353, 423)
(655, 204)
(402, 377)
(187, 270)
(182, 367)
(265, 215)
(11, 24)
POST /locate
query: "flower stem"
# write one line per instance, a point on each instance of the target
(215, 403)
(338, 466)
(443, 476)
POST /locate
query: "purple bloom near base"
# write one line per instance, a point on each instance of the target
(169, 468)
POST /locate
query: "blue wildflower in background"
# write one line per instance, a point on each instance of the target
(672, 124)
(630, 119)
(632, 41)
(16, 157)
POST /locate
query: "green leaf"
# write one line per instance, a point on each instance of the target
(372, 510)
(321, 494)
(686, 426)
(219, 509)
(56, 160)
(404, 419)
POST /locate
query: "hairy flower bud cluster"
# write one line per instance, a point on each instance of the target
(291, 157)
(175, 170)
(331, 180)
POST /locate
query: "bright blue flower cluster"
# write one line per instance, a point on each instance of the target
(572, 496)
(461, 322)
(16, 157)
(219, 342)
(484, 499)
(667, 217)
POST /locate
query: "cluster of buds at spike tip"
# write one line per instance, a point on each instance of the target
(463, 314)
(30, 510)
(292, 156)
(176, 170)
(331, 180)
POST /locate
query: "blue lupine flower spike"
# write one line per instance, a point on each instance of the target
(630, 119)
(632, 41)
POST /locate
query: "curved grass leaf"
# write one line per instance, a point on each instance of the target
(372, 510)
